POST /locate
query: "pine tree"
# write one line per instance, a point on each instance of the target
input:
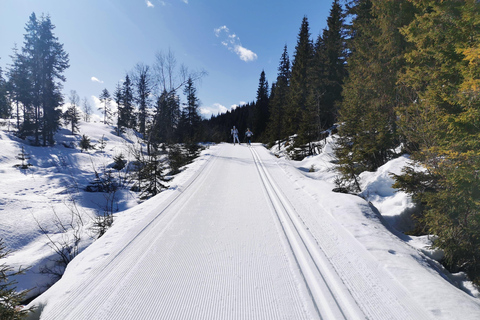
(372, 93)
(442, 127)
(298, 93)
(5, 108)
(144, 87)
(277, 120)
(85, 143)
(126, 111)
(24, 157)
(18, 86)
(87, 110)
(72, 115)
(42, 63)
(331, 53)
(166, 116)
(325, 79)
(192, 118)
(10, 298)
(261, 113)
(105, 100)
(151, 176)
(55, 61)
(118, 98)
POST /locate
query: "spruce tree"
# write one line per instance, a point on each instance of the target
(261, 112)
(144, 86)
(72, 115)
(166, 116)
(298, 93)
(42, 62)
(55, 61)
(326, 77)
(118, 98)
(105, 101)
(372, 92)
(441, 126)
(276, 125)
(331, 53)
(5, 108)
(10, 298)
(191, 116)
(87, 110)
(127, 110)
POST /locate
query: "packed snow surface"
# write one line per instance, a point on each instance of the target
(239, 234)
(244, 235)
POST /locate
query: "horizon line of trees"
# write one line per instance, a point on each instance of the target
(306, 94)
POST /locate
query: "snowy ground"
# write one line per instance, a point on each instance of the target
(240, 234)
(50, 194)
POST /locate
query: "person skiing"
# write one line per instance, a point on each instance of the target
(248, 135)
(234, 133)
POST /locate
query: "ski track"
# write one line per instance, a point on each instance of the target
(232, 245)
(199, 258)
(345, 259)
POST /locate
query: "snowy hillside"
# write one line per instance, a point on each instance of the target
(239, 234)
(50, 195)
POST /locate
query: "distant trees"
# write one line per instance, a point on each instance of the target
(276, 125)
(87, 110)
(261, 113)
(306, 95)
(144, 86)
(126, 110)
(36, 77)
(72, 115)
(105, 106)
(5, 107)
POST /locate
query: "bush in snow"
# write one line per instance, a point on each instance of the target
(10, 300)
(85, 143)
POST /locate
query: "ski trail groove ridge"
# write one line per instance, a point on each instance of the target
(332, 300)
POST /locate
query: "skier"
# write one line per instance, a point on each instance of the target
(248, 135)
(234, 133)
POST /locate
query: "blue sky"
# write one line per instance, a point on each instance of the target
(232, 40)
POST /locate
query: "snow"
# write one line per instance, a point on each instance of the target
(42, 196)
(240, 233)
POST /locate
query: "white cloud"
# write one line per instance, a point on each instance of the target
(215, 109)
(149, 4)
(245, 54)
(94, 79)
(185, 1)
(232, 42)
(218, 31)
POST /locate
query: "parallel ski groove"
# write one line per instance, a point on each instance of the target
(231, 276)
(369, 284)
(318, 287)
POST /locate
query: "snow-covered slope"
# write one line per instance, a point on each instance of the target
(50, 194)
(244, 235)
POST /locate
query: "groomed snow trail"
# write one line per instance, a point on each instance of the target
(236, 242)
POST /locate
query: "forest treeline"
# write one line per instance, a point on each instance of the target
(392, 76)
(396, 76)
